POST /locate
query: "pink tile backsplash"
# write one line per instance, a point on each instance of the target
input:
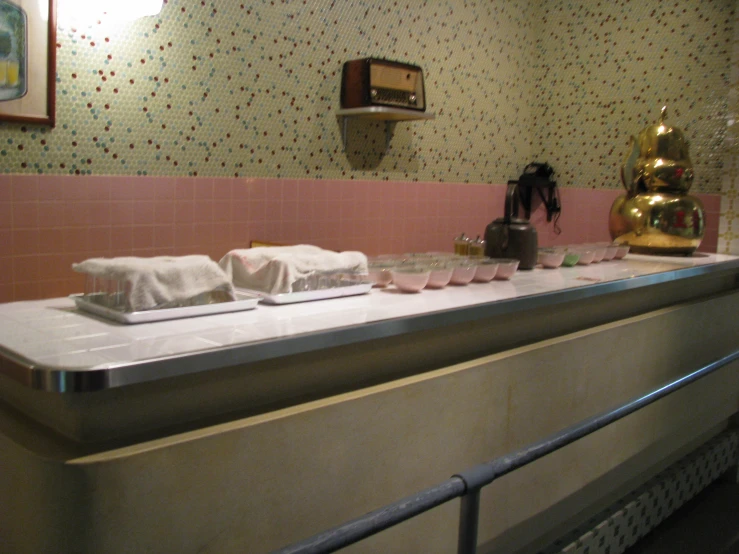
(48, 222)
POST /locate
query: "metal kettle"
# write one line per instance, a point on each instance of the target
(510, 237)
(659, 160)
(656, 215)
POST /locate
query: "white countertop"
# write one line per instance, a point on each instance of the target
(54, 335)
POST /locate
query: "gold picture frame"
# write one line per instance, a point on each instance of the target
(28, 61)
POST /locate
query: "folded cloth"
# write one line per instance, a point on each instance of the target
(162, 280)
(274, 269)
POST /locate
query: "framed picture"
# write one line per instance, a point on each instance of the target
(27, 61)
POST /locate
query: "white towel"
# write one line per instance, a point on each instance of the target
(159, 280)
(274, 269)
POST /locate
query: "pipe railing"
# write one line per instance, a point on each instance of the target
(467, 484)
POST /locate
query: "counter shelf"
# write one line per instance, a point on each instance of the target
(48, 345)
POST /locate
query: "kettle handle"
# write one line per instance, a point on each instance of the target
(511, 201)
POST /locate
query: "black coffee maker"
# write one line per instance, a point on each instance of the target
(511, 237)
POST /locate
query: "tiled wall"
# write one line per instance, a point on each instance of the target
(251, 89)
(729, 223)
(49, 222)
(241, 97)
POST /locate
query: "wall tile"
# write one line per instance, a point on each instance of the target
(24, 188)
(121, 240)
(347, 218)
(142, 237)
(6, 215)
(25, 214)
(26, 268)
(143, 213)
(7, 292)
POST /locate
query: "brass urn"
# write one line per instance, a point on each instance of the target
(656, 215)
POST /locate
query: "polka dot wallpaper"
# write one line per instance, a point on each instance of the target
(251, 88)
(606, 70)
(728, 236)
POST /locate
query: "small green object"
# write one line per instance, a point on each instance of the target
(571, 258)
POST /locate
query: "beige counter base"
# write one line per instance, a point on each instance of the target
(261, 482)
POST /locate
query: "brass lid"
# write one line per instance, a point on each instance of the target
(663, 141)
(659, 160)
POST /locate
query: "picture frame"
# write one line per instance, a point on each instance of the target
(28, 61)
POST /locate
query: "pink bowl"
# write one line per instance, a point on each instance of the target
(485, 271)
(611, 250)
(506, 268)
(622, 250)
(439, 278)
(551, 259)
(600, 252)
(380, 276)
(463, 274)
(410, 279)
(586, 256)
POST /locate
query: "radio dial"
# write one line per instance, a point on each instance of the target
(373, 93)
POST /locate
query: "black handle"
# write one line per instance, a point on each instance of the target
(511, 201)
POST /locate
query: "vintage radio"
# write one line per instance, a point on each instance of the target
(376, 82)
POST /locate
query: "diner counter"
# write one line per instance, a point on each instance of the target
(52, 346)
(252, 430)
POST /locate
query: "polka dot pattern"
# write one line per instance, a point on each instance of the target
(728, 237)
(250, 88)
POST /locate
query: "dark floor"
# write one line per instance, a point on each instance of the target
(708, 524)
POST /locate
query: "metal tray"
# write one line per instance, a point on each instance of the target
(244, 301)
(337, 290)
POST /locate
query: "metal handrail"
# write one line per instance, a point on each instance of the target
(467, 484)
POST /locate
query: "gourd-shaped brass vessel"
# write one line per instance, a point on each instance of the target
(656, 215)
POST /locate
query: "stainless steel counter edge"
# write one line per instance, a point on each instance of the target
(85, 380)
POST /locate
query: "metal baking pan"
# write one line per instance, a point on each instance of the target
(92, 303)
(336, 289)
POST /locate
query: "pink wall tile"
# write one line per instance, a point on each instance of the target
(142, 237)
(24, 188)
(6, 246)
(6, 189)
(121, 212)
(121, 240)
(27, 290)
(25, 214)
(185, 189)
(6, 215)
(7, 293)
(26, 268)
(51, 241)
(163, 212)
(143, 213)
(6, 269)
(165, 189)
(25, 241)
(75, 239)
(48, 222)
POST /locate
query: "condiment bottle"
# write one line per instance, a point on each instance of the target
(462, 245)
(477, 247)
